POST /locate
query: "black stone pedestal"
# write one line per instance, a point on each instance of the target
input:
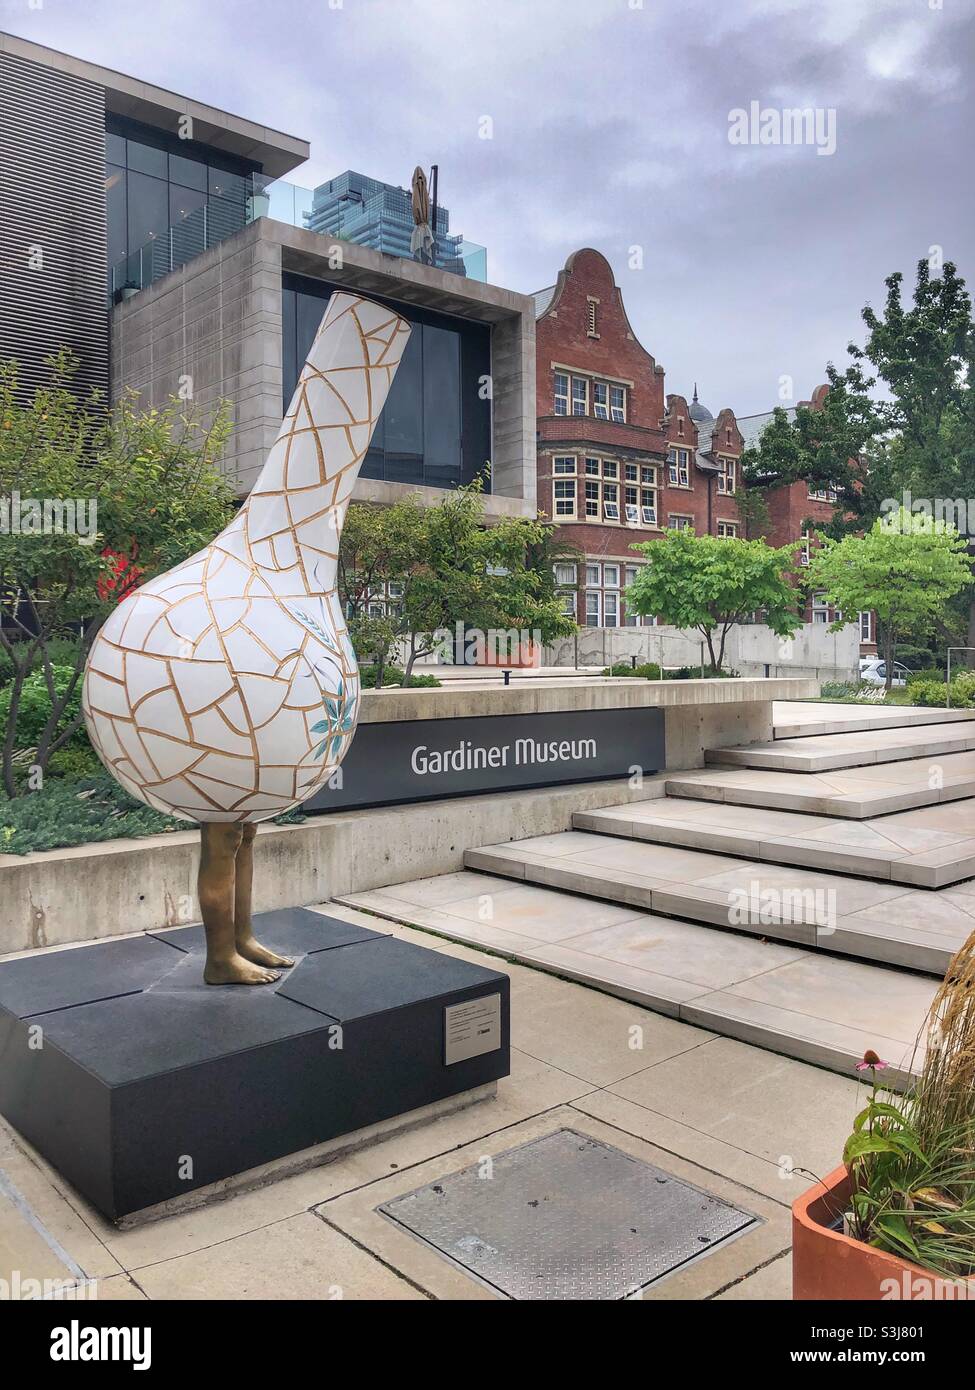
(139, 1082)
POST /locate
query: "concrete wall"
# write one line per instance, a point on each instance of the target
(752, 650)
(214, 328)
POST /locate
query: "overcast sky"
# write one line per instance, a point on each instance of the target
(609, 125)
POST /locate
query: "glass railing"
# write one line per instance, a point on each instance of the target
(285, 202)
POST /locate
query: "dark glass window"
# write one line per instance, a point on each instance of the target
(435, 429)
(224, 184)
(148, 213)
(115, 148)
(155, 181)
(189, 173)
(115, 212)
(442, 406)
(147, 159)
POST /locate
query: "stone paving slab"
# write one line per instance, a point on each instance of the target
(799, 718)
(852, 793)
(805, 1004)
(889, 923)
(929, 847)
(824, 752)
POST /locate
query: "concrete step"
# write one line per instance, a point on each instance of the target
(927, 848)
(808, 1005)
(809, 718)
(918, 929)
(829, 751)
(852, 793)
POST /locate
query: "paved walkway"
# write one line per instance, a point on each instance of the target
(727, 1117)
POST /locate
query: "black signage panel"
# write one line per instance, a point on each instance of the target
(426, 759)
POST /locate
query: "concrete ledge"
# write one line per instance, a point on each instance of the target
(600, 692)
(120, 886)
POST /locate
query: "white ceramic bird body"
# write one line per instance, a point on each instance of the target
(227, 689)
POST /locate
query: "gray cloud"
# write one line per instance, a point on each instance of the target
(610, 128)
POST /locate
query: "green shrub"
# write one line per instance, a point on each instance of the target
(63, 652)
(843, 690)
(79, 812)
(647, 670)
(34, 709)
(928, 673)
(393, 675)
(75, 760)
(935, 692)
(694, 673)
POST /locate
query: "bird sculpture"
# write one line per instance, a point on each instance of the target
(226, 691)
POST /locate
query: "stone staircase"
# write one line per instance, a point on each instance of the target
(804, 894)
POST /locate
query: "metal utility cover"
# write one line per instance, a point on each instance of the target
(567, 1217)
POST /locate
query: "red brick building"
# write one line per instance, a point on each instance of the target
(617, 458)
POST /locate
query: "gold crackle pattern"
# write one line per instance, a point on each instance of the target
(227, 689)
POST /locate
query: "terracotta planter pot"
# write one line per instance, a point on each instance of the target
(527, 656)
(830, 1265)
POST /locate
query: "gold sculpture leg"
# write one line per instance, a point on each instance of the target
(234, 957)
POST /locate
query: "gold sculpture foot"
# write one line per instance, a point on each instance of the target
(234, 957)
(237, 971)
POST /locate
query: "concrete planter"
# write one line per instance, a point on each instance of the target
(828, 1265)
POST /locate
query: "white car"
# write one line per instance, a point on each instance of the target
(873, 671)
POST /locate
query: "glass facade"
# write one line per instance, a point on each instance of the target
(159, 188)
(435, 429)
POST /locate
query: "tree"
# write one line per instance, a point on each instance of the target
(905, 568)
(710, 583)
(823, 447)
(447, 567)
(93, 503)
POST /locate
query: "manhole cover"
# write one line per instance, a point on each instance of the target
(567, 1217)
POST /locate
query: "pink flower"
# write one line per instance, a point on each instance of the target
(871, 1062)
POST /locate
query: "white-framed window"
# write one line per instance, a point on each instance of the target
(648, 475)
(678, 467)
(561, 393)
(820, 608)
(648, 506)
(604, 596)
(631, 473)
(601, 489)
(617, 403)
(600, 400)
(564, 463)
(728, 529)
(680, 523)
(805, 538)
(566, 578)
(631, 505)
(727, 475)
(634, 619)
(821, 494)
(564, 497)
(580, 396)
(866, 627)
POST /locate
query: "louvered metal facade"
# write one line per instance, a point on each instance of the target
(52, 220)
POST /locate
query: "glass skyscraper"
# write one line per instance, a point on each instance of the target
(380, 216)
